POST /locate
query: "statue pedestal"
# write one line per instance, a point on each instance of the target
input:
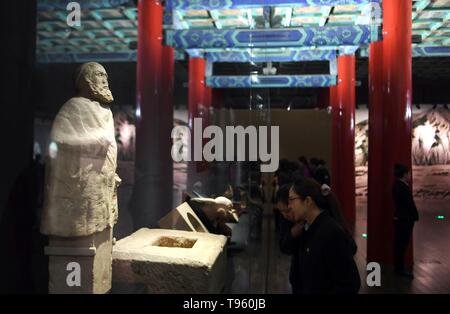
(92, 253)
(171, 261)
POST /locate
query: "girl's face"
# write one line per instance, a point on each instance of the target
(298, 207)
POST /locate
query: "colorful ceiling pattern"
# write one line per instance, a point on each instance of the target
(110, 26)
(264, 81)
(235, 30)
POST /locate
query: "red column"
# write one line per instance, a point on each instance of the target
(152, 191)
(197, 109)
(346, 103)
(342, 100)
(378, 229)
(335, 140)
(196, 88)
(397, 116)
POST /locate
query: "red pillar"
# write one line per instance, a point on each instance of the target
(196, 88)
(197, 109)
(335, 140)
(342, 101)
(346, 103)
(378, 229)
(397, 118)
(152, 191)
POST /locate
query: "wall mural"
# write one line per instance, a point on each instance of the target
(430, 153)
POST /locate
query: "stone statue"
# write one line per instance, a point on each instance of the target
(80, 206)
(218, 212)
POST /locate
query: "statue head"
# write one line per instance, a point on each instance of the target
(91, 81)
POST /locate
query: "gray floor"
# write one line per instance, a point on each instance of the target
(431, 252)
(259, 267)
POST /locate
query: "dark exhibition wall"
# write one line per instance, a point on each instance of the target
(54, 85)
(17, 215)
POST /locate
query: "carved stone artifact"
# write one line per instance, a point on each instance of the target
(171, 261)
(80, 206)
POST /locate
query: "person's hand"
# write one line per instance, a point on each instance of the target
(297, 229)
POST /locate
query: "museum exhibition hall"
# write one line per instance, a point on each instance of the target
(225, 147)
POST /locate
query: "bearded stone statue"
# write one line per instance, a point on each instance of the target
(80, 206)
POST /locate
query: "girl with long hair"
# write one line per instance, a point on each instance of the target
(326, 247)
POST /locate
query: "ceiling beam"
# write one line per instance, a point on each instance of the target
(243, 4)
(271, 81)
(275, 55)
(292, 37)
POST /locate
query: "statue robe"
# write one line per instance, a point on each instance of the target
(81, 180)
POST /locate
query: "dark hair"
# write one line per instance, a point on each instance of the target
(400, 170)
(305, 187)
(283, 194)
(284, 177)
(283, 165)
(293, 166)
(303, 160)
(314, 161)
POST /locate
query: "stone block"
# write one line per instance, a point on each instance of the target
(92, 253)
(171, 261)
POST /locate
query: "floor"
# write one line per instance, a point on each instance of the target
(431, 252)
(260, 267)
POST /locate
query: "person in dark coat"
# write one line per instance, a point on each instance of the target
(404, 217)
(326, 248)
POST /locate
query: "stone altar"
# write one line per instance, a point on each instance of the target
(171, 261)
